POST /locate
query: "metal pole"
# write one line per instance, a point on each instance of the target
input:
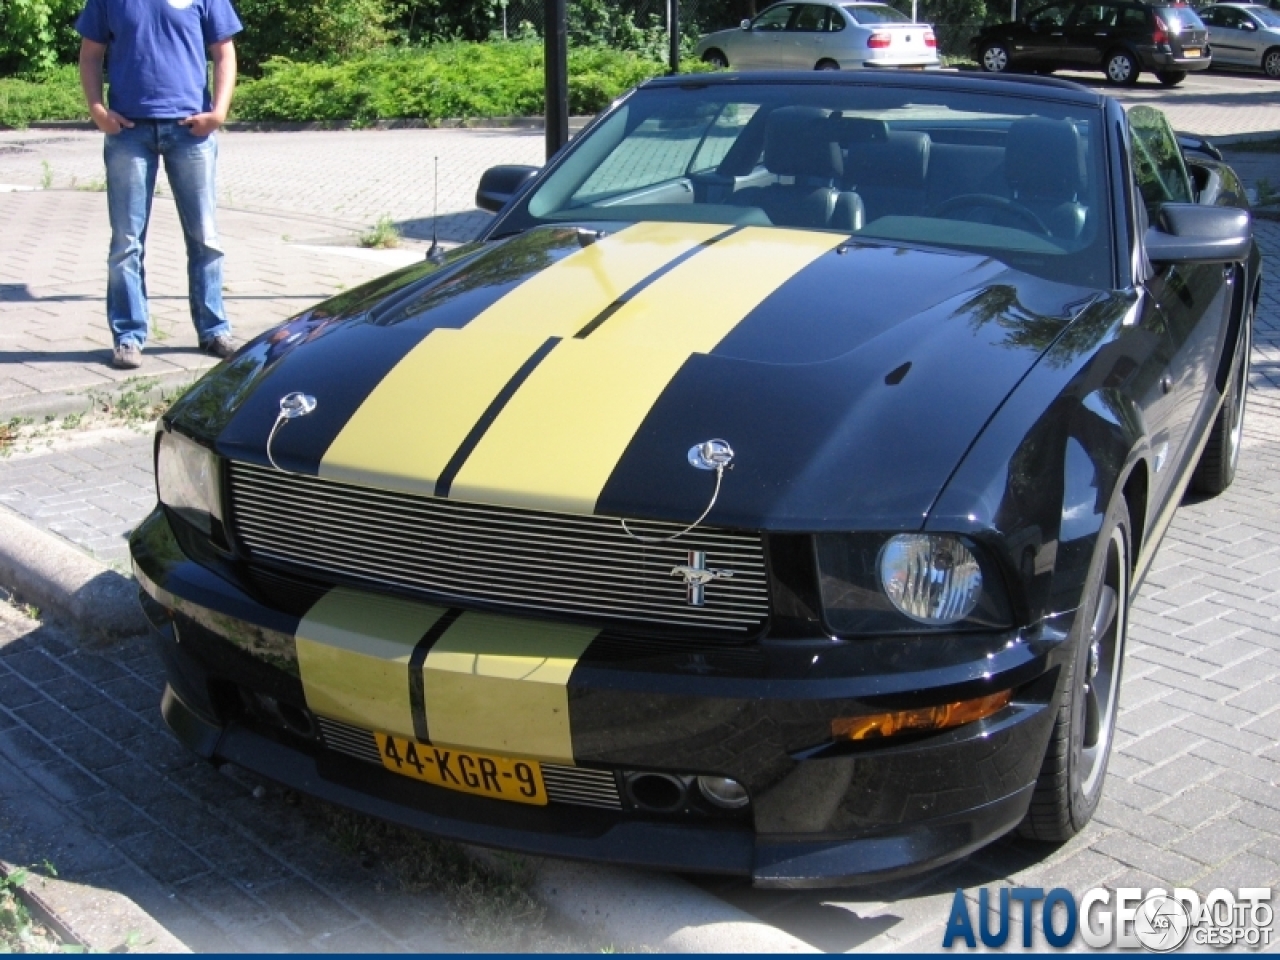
(556, 54)
(673, 32)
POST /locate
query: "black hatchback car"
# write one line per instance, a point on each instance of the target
(1120, 38)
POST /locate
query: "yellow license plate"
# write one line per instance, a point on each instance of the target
(1191, 51)
(502, 778)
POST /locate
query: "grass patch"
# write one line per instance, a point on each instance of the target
(384, 235)
(55, 95)
(443, 81)
(19, 931)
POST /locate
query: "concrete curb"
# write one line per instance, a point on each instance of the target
(296, 126)
(45, 570)
(625, 908)
(101, 921)
(37, 406)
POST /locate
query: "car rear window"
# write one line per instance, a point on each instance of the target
(876, 14)
(1178, 19)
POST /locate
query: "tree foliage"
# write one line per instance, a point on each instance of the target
(35, 35)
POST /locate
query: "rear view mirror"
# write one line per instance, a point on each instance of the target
(499, 184)
(1189, 233)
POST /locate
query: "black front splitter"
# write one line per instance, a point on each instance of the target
(677, 847)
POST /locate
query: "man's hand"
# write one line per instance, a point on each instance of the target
(203, 124)
(108, 121)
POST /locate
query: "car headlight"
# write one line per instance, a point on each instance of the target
(187, 480)
(873, 583)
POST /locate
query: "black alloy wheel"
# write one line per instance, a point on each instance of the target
(1122, 68)
(1271, 63)
(716, 59)
(1171, 78)
(1217, 466)
(995, 58)
(1075, 764)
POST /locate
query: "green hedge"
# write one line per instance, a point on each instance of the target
(442, 81)
(56, 97)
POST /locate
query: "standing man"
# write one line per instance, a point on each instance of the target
(160, 107)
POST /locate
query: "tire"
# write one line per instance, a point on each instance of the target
(716, 59)
(1217, 466)
(1271, 63)
(827, 65)
(1171, 78)
(1122, 68)
(995, 58)
(1075, 764)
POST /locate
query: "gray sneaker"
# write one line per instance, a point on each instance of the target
(221, 346)
(127, 356)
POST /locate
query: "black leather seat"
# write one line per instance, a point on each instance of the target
(887, 168)
(1044, 165)
(800, 146)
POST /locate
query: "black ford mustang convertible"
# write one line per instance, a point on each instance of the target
(763, 493)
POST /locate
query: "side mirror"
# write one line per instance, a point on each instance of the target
(1249, 26)
(498, 185)
(1190, 233)
(745, 24)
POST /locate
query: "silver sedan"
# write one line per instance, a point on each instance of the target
(1244, 35)
(823, 36)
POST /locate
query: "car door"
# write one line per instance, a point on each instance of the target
(1227, 35)
(1039, 39)
(1089, 34)
(760, 46)
(1193, 299)
(804, 36)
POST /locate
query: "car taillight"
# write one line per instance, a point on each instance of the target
(929, 39)
(879, 41)
(1161, 34)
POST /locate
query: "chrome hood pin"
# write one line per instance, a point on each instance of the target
(292, 406)
(714, 455)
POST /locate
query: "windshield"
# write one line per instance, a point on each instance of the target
(1014, 177)
(875, 13)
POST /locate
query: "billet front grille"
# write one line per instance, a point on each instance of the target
(574, 785)
(453, 552)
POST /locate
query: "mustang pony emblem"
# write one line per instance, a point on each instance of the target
(697, 575)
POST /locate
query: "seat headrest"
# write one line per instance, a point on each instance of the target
(800, 142)
(901, 160)
(1044, 158)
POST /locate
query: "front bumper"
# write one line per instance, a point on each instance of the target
(821, 813)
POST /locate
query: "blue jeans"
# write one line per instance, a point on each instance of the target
(133, 160)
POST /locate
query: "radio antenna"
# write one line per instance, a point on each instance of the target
(434, 253)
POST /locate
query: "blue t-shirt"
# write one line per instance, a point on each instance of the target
(157, 63)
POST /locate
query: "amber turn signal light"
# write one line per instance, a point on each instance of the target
(940, 717)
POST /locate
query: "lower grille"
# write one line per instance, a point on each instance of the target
(574, 785)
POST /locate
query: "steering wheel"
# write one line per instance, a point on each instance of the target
(990, 200)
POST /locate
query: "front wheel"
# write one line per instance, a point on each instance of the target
(1122, 68)
(1271, 63)
(716, 59)
(1217, 466)
(1075, 764)
(1171, 78)
(995, 58)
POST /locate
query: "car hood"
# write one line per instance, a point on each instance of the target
(571, 370)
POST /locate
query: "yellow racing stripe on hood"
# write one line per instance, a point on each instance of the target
(405, 432)
(558, 439)
(353, 657)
